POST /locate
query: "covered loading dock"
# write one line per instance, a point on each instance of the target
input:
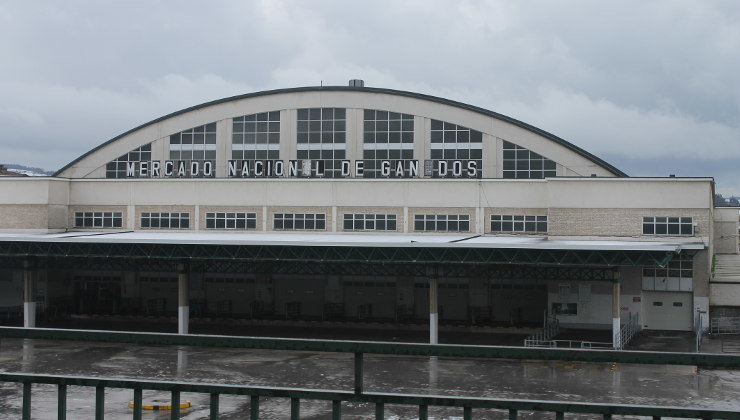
(304, 276)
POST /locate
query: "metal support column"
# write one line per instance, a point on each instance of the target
(183, 301)
(433, 274)
(616, 324)
(29, 295)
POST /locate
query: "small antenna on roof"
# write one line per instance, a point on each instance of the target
(322, 83)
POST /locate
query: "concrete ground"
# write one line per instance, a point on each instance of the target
(572, 381)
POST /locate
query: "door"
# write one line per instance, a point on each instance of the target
(668, 311)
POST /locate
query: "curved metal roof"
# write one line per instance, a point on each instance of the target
(421, 96)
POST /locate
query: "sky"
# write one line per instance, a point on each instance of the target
(652, 87)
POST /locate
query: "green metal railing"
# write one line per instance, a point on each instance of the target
(423, 402)
(358, 394)
(377, 347)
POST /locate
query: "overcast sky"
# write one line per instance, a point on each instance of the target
(652, 87)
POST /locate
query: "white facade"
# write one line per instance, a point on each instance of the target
(502, 178)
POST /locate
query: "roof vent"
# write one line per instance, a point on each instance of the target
(671, 175)
(357, 83)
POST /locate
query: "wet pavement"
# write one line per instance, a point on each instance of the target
(572, 381)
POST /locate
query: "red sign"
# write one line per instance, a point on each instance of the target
(636, 298)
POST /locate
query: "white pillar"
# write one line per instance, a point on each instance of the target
(183, 301)
(29, 296)
(433, 308)
(182, 362)
(616, 322)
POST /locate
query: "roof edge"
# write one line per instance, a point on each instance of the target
(593, 158)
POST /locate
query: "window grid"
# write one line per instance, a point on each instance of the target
(452, 142)
(518, 223)
(363, 221)
(117, 168)
(667, 226)
(322, 135)
(165, 220)
(678, 268)
(256, 136)
(299, 221)
(441, 223)
(521, 163)
(231, 220)
(197, 143)
(98, 219)
(387, 136)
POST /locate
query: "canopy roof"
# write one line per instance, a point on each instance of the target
(323, 247)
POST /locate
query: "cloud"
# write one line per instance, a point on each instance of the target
(601, 126)
(49, 125)
(632, 80)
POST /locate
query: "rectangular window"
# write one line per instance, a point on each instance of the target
(674, 226)
(98, 219)
(441, 223)
(521, 163)
(229, 220)
(299, 221)
(388, 136)
(565, 308)
(194, 151)
(118, 168)
(360, 221)
(676, 276)
(322, 135)
(514, 223)
(256, 137)
(165, 220)
(452, 142)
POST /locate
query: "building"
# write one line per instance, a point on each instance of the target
(359, 203)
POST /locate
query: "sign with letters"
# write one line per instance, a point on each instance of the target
(307, 168)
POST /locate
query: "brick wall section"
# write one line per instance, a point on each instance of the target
(24, 217)
(615, 222)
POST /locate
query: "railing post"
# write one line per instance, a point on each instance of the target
(379, 411)
(607, 417)
(99, 402)
(358, 372)
(423, 412)
(295, 408)
(175, 405)
(61, 402)
(137, 403)
(214, 406)
(467, 413)
(559, 415)
(336, 410)
(26, 401)
(254, 407)
(512, 414)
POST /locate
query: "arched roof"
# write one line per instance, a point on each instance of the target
(596, 160)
